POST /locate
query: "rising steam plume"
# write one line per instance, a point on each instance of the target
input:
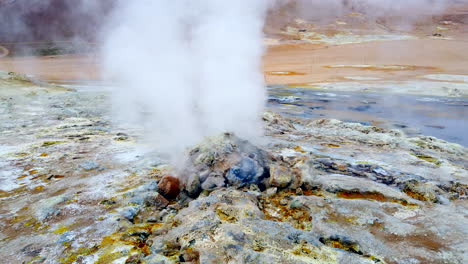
(188, 69)
(185, 69)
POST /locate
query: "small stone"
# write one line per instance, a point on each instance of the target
(191, 256)
(213, 182)
(121, 137)
(271, 191)
(254, 188)
(135, 259)
(284, 201)
(320, 204)
(130, 213)
(280, 176)
(299, 191)
(31, 250)
(295, 204)
(66, 237)
(192, 185)
(381, 171)
(157, 201)
(176, 206)
(169, 187)
(89, 165)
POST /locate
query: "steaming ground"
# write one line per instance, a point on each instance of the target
(78, 188)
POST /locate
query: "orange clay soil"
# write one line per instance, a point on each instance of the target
(294, 63)
(334, 63)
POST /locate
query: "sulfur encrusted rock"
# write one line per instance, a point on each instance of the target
(280, 176)
(225, 160)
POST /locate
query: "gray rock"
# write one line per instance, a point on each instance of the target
(130, 213)
(213, 182)
(224, 159)
(66, 237)
(89, 165)
(248, 171)
(271, 191)
(192, 184)
(295, 204)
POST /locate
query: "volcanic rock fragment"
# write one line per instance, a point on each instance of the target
(247, 171)
(169, 187)
(225, 160)
(280, 176)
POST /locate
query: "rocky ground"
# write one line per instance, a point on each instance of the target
(75, 188)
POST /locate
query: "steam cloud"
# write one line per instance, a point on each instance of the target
(188, 69)
(185, 69)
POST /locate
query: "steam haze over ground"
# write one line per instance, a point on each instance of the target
(350, 122)
(186, 69)
(192, 69)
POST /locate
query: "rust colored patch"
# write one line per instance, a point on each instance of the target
(284, 73)
(347, 245)
(136, 236)
(376, 196)
(275, 208)
(313, 193)
(384, 67)
(427, 240)
(415, 195)
(303, 85)
(226, 215)
(56, 177)
(39, 188)
(341, 219)
(39, 176)
(299, 149)
(192, 256)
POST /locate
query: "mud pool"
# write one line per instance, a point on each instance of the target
(441, 117)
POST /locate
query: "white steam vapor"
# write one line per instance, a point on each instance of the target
(188, 69)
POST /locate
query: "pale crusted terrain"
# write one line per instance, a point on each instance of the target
(77, 189)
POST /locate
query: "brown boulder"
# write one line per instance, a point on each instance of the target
(169, 187)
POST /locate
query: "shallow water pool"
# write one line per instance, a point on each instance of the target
(441, 117)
